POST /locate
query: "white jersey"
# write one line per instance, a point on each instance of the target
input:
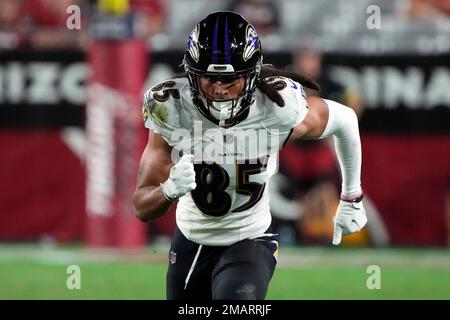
(233, 165)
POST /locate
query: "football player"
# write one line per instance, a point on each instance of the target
(227, 116)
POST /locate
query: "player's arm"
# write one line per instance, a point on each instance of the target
(148, 200)
(159, 181)
(327, 118)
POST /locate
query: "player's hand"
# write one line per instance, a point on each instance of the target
(181, 179)
(350, 217)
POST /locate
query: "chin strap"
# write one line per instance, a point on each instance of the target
(224, 115)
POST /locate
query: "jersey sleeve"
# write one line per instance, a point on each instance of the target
(160, 112)
(295, 106)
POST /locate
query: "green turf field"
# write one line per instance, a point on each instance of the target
(31, 272)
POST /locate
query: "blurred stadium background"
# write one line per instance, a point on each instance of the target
(71, 134)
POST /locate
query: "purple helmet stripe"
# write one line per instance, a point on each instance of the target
(214, 46)
(227, 44)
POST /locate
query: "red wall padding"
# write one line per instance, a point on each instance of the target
(42, 187)
(407, 177)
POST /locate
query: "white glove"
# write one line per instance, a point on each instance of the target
(350, 217)
(181, 179)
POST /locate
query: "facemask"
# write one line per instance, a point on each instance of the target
(223, 110)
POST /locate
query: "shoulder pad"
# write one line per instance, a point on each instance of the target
(161, 107)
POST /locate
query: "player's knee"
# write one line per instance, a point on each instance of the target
(238, 290)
